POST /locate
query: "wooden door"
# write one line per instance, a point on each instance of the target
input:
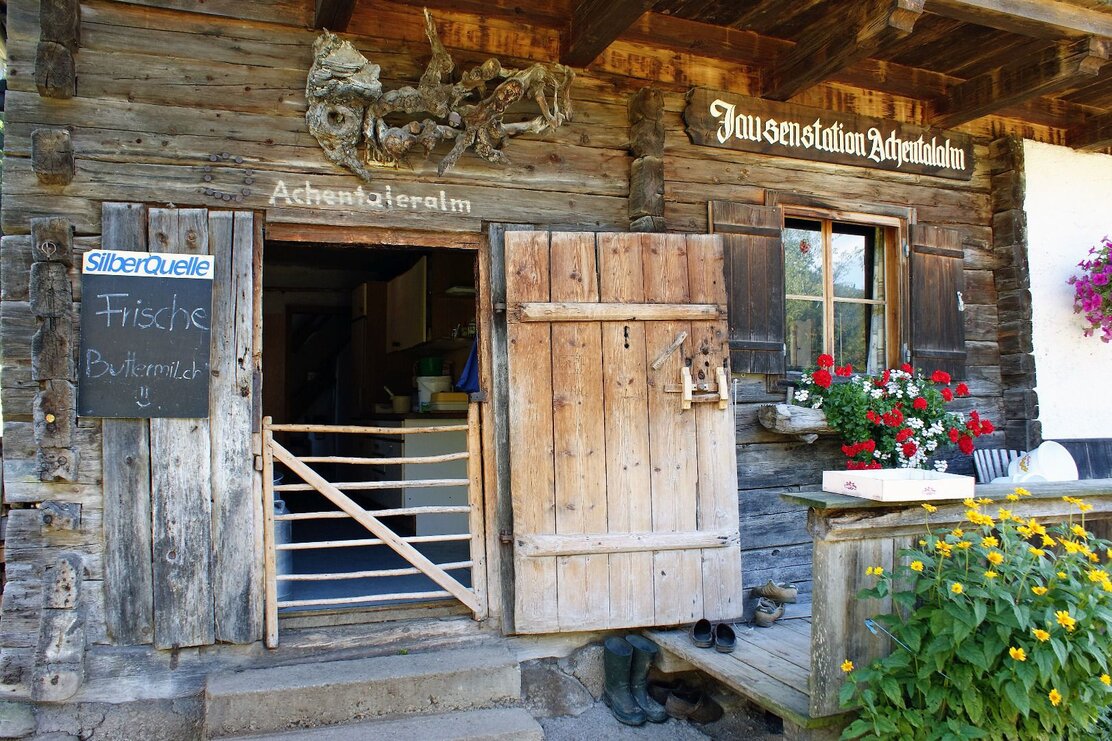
(623, 477)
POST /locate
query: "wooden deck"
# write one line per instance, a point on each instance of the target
(771, 667)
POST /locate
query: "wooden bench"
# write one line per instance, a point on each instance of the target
(793, 669)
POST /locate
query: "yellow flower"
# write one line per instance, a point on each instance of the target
(1106, 679)
(1004, 514)
(847, 666)
(1037, 551)
(969, 503)
(995, 558)
(916, 566)
(1065, 619)
(1078, 531)
(989, 542)
(1108, 553)
(1012, 497)
(1070, 546)
(984, 500)
(874, 571)
(929, 507)
(1024, 531)
(1097, 575)
(1061, 575)
(957, 532)
(1041, 634)
(944, 548)
(1055, 697)
(923, 542)
(1040, 591)
(1022, 492)
(1017, 653)
(1085, 507)
(1036, 528)
(957, 588)
(1094, 558)
(990, 574)
(965, 545)
(1048, 541)
(1071, 500)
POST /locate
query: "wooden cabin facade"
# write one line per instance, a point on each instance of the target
(580, 268)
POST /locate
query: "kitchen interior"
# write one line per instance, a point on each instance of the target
(368, 336)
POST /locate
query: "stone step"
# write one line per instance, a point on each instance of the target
(333, 692)
(494, 724)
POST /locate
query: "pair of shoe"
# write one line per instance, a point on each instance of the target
(626, 663)
(685, 702)
(705, 634)
(771, 600)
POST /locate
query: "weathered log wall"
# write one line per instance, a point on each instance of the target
(202, 105)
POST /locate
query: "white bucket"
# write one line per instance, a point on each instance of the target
(429, 385)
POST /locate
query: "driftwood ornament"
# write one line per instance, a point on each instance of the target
(357, 124)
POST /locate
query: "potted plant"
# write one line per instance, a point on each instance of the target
(897, 419)
(1093, 290)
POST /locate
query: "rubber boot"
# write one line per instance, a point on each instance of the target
(616, 659)
(644, 653)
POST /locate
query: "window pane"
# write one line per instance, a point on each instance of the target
(858, 259)
(803, 258)
(859, 336)
(804, 325)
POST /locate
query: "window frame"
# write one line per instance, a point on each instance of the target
(895, 224)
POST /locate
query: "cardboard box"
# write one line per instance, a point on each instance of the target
(898, 484)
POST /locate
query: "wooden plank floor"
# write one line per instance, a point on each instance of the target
(770, 666)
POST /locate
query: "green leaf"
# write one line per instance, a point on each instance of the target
(1018, 697)
(980, 609)
(974, 707)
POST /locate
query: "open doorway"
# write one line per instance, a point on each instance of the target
(369, 337)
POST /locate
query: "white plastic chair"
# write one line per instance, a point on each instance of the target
(993, 462)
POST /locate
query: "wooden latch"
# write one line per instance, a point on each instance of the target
(686, 387)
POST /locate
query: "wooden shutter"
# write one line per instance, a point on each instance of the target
(936, 308)
(624, 503)
(754, 284)
(183, 503)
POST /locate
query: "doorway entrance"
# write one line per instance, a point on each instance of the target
(370, 442)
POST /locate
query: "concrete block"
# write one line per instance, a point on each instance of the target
(498, 724)
(328, 693)
(585, 665)
(548, 692)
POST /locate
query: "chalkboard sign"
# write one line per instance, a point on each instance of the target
(145, 328)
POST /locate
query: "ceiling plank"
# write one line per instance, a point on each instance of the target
(1095, 134)
(333, 14)
(1041, 18)
(846, 35)
(595, 24)
(1059, 67)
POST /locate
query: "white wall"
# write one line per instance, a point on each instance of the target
(1069, 209)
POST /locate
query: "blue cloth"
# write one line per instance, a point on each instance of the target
(469, 378)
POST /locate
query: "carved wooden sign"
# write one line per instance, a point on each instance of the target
(357, 123)
(717, 119)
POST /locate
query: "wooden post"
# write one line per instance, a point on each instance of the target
(475, 517)
(52, 156)
(269, 566)
(646, 177)
(55, 71)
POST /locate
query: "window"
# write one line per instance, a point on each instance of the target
(840, 293)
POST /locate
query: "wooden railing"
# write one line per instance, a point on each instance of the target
(473, 596)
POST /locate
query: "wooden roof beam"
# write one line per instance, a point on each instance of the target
(595, 24)
(1096, 133)
(1064, 65)
(333, 14)
(847, 34)
(1048, 19)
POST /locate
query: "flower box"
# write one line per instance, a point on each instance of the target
(898, 484)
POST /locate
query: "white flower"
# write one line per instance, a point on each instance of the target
(931, 445)
(915, 423)
(877, 454)
(802, 395)
(877, 393)
(912, 390)
(805, 379)
(817, 403)
(941, 466)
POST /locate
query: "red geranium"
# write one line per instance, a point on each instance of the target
(954, 434)
(873, 417)
(904, 434)
(962, 390)
(965, 444)
(909, 448)
(940, 377)
(987, 427)
(885, 376)
(822, 378)
(826, 361)
(906, 368)
(920, 403)
(845, 371)
(894, 418)
(868, 445)
(947, 394)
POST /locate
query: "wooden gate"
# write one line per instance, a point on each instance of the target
(622, 462)
(473, 596)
